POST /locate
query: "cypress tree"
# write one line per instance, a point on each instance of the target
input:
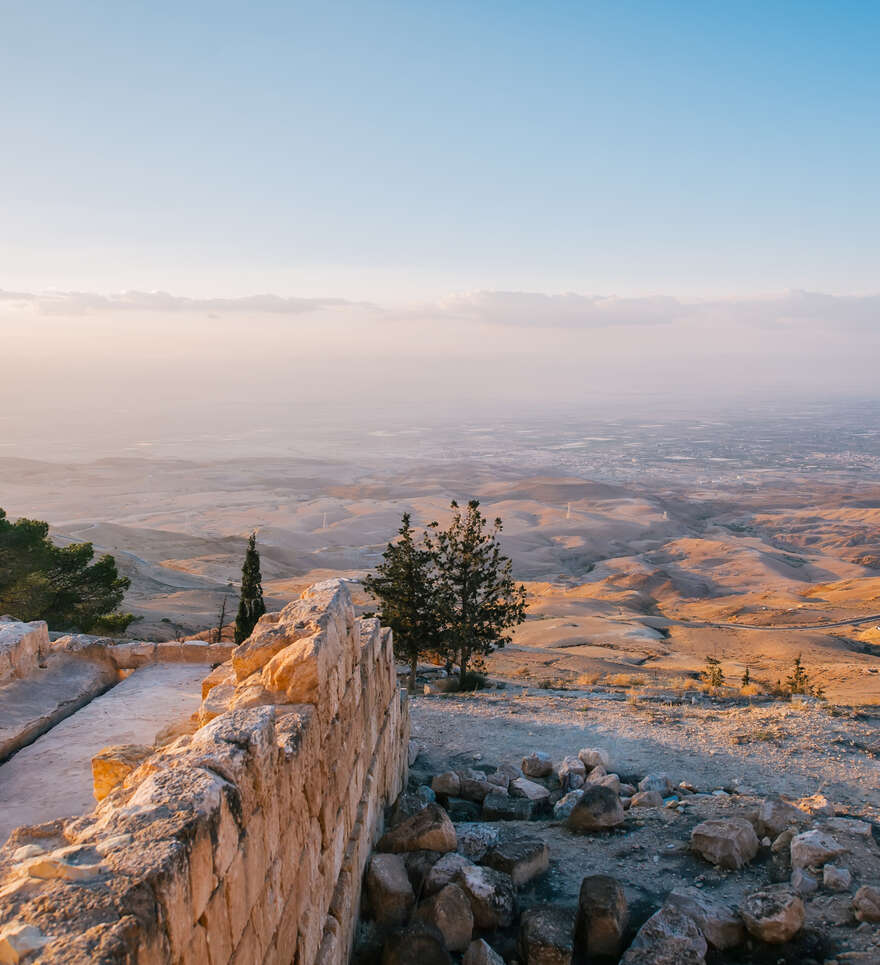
(250, 605)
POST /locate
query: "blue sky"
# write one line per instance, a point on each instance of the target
(397, 151)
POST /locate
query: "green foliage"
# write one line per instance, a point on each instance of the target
(404, 586)
(798, 681)
(746, 678)
(250, 604)
(59, 584)
(712, 674)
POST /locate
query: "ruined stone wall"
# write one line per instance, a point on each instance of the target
(22, 647)
(244, 842)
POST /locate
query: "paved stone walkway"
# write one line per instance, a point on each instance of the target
(52, 778)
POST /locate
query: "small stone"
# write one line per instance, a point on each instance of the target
(523, 787)
(594, 756)
(449, 910)
(720, 925)
(389, 890)
(782, 844)
(866, 903)
(428, 830)
(18, 940)
(602, 917)
(599, 808)
(727, 843)
(775, 815)
(537, 764)
(419, 943)
(475, 839)
(448, 784)
(668, 937)
(523, 859)
(491, 895)
(445, 871)
(572, 773)
(545, 935)
(501, 807)
(803, 883)
(656, 782)
(474, 786)
(812, 849)
(409, 803)
(481, 953)
(836, 879)
(647, 799)
(773, 915)
(563, 807)
(460, 810)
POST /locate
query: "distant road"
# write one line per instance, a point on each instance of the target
(697, 624)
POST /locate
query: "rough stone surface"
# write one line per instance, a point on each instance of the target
(812, 849)
(647, 799)
(491, 895)
(668, 937)
(774, 915)
(448, 783)
(389, 890)
(866, 903)
(602, 917)
(572, 773)
(599, 808)
(23, 646)
(475, 839)
(727, 842)
(537, 764)
(775, 815)
(449, 910)
(594, 757)
(112, 765)
(444, 871)
(565, 805)
(523, 859)
(419, 943)
(428, 830)
(721, 926)
(656, 782)
(501, 807)
(481, 952)
(523, 787)
(836, 879)
(545, 935)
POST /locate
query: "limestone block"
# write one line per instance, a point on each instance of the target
(545, 935)
(22, 647)
(728, 843)
(668, 937)
(111, 765)
(602, 917)
(774, 915)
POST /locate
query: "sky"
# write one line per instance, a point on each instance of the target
(550, 195)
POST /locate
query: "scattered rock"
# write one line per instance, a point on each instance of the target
(418, 867)
(656, 782)
(812, 849)
(428, 830)
(818, 804)
(782, 844)
(849, 826)
(491, 895)
(501, 807)
(445, 871)
(602, 917)
(668, 937)
(448, 784)
(460, 810)
(419, 943)
(775, 815)
(728, 843)
(563, 807)
(866, 903)
(594, 757)
(474, 840)
(572, 773)
(409, 803)
(449, 910)
(647, 799)
(803, 883)
(474, 786)
(523, 859)
(481, 953)
(774, 915)
(545, 935)
(537, 764)
(612, 781)
(18, 940)
(720, 925)
(836, 879)
(389, 890)
(598, 808)
(523, 787)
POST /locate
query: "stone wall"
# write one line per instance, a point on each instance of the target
(22, 647)
(244, 842)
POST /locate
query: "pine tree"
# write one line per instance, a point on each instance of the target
(713, 675)
(798, 681)
(250, 605)
(477, 598)
(404, 586)
(746, 678)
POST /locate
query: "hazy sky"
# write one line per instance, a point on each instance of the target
(425, 201)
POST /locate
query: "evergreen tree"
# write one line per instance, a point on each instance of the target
(404, 586)
(476, 597)
(746, 678)
(250, 605)
(798, 681)
(713, 674)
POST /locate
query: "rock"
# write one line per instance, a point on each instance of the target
(523, 859)
(848, 826)
(491, 894)
(18, 940)
(545, 935)
(595, 774)
(720, 925)
(523, 787)
(563, 807)
(445, 871)
(726, 842)
(812, 849)
(419, 943)
(647, 799)
(668, 937)
(474, 840)
(775, 815)
(627, 790)
(449, 910)
(474, 786)
(429, 830)
(418, 867)
(572, 773)
(602, 917)
(818, 804)
(782, 844)
(774, 915)
(112, 765)
(409, 803)
(481, 953)
(656, 782)
(461, 810)
(500, 807)
(803, 883)
(598, 808)
(389, 890)
(448, 783)
(501, 777)
(537, 764)
(866, 903)
(612, 781)
(836, 879)
(594, 757)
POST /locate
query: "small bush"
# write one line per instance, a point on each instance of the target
(625, 680)
(588, 679)
(473, 681)
(750, 690)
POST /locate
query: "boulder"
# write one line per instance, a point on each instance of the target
(812, 849)
(594, 757)
(774, 915)
(564, 806)
(836, 879)
(112, 765)
(409, 803)
(389, 890)
(419, 943)
(491, 894)
(725, 842)
(418, 867)
(602, 917)
(803, 883)
(501, 807)
(445, 871)
(599, 808)
(656, 782)
(572, 773)
(449, 910)
(721, 926)
(545, 935)
(428, 830)
(460, 810)
(537, 764)
(612, 781)
(523, 787)
(522, 859)
(782, 845)
(866, 903)
(668, 937)
(596, 774)
(448, 784)
(775, 815)
(474, 786)
(481, 953)
(475, 839)
(647, 799)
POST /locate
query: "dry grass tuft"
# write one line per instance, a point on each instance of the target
(625, 680)
(750, 690)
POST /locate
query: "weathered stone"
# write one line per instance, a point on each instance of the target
(812, 849)
(537, 764)
(774, 915)
(19, 940)
(501, 807)
(545, 935)
(389, 890)
(721, 926)
(656, 782)
(523, 787)
(409, 803)
(596, 774)
(848, 826)
(866, 903)
(564, 806)
(445, 871)
(460, 810)
(775, 815)
(475, 839)
(818, 805)
(612, 781)
(726, 842)
(418, 867)
(647, 799)
(449, 910)
(836, 879)
(481, 953)
(668, 937)
(112, 765)
(419, 943)
(602, 917)
(22, 647)
(448, 783)
(599, 808)
(491, 895)
(428, 830)
(572, 773)
(782, 845)
(803, 883)
(594, 757)
(523, 859)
